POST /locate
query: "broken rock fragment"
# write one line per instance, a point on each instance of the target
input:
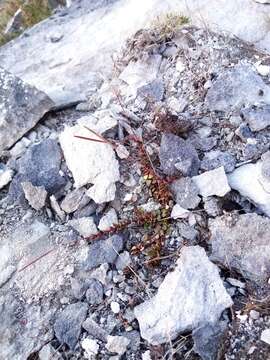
(213, 182)
(22, 106)
(36, 195)
(91, 162)
(190, 296)
(243, 244)
(257, 118)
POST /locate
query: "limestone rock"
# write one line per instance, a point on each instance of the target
(22, 106)
(67, 326)
(249, 181)
(117, 344)
(196, 285)
(178, 156)
(242, 244)
(5, 175)
(91, 162)
(212, 182)
(237, 87)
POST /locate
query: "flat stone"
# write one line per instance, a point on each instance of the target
(94, 329)
(212, 182)
(257, 118)
(108, 220)
(215, 159)
(40, 165)
(22, 106)
(154, 91)
(117, 344)
(242, 244)
(265, 336)
(94, 293)
(85, 226)
(35, 195)
(5, 175)
(178, 156)
(103, 251)
(73, 200)
(67, 326)
(179, 213)
(56, 208)
(186, 193)
(123, 260)
(236, 87)
(250, 182)
(196, 285)
(91, 162)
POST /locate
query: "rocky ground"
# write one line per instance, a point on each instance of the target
(135, 225)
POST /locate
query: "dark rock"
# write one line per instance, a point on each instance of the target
(257, 118)
(244, 132)
(95, 330)
(236, 87)
(40, 165)
(67, 326)
(215, 159)
(22, 106)
(153, 91)
(203, 144)
(94, 293)
(178, 156)
(186, 193)
(208, 340)
(103, 251)
(86, 211)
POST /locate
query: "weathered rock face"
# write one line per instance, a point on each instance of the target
(21, 105)
(42, 62)
(196, 285)
(237, 87)
(242, 244)
(258, 118)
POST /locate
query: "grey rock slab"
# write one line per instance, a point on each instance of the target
(40, 165)
(95, 292)
(236, 87)
(68, 323)
(73, 200)
(257, 118)
(94, 329)
(213, 182)
(186, 193)
(45, 64)
(91, 162)
(21, 105)
(196, 285)
(215, 159)
(250, 182)
(242, 244)
(103, 251)
(35, 195)
(178, 156)
(208, 340)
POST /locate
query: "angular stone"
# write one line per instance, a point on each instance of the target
(186, 193)
(40, 165)
(85, 226)
(91, 162)
(56, 208)
(236, 87)
(212, 182)
(94, 329)
(94, 293)
(249, 181)
(5, 175)
(215, 159)
(242, 244)
(117, 344)
(35, 195)
(108, 220)
(178, 156)
(103, 251)
(67, 326)
(196, 285)
(22, 106)
(74, 200)
(257, 118)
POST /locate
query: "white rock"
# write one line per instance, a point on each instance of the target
(262, 1)
(192, 295)
(265, 336)
(56, 208)
(117, 344)
(90, 346)
(108, 220)
(115, 307)
(91, 162)
(248, 181)
(85, 226)
(5, 176)
(179, 213)
(146, 355)
(213, 182)
(263, 70)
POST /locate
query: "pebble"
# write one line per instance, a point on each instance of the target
(117, 344)
(115, 307)
(90, 346)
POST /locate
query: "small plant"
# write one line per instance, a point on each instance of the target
(167, 25)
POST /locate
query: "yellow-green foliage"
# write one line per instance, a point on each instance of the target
(33, 12)
(168, 24)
